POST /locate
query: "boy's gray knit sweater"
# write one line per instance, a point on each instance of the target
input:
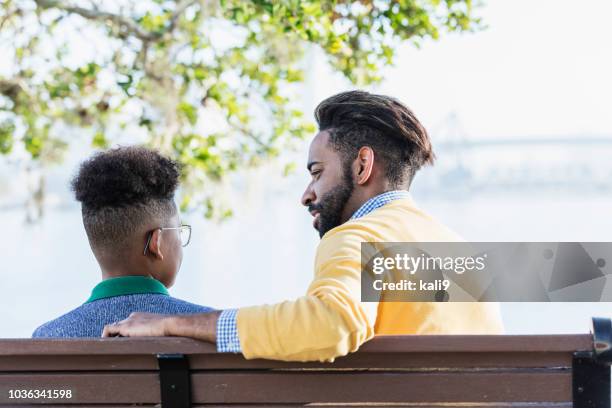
(88, 320)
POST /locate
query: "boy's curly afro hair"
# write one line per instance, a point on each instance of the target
(125, 176)
(122, 191)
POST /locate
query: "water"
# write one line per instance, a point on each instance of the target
(265, 253)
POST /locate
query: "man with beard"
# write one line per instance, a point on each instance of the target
(362, 162)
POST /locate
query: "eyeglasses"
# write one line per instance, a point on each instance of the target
(184, 234)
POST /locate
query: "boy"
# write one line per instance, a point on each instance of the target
(134, 230)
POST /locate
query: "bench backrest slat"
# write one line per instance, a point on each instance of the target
(420, 371)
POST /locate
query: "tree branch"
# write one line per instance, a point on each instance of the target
(180, 9)
(8, 15)
(10, 89)
(125, 23)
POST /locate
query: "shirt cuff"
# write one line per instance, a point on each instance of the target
(227, 332)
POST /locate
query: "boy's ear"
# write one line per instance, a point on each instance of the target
(155, 244)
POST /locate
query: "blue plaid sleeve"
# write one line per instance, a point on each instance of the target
(227, 332)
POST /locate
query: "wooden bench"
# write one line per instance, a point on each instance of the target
(515, 371)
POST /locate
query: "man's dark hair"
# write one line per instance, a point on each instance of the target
(120, 190)
(356, 119)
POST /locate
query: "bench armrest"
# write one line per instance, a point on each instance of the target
(602, 339)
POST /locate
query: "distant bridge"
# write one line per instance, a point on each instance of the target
(466, 143)
(457, 171)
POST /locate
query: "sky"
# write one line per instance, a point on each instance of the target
(540, 68)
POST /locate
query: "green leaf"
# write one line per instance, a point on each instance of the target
(289, 169)
(99, 141)
(33, 145)
(7, 130)
(189, 111)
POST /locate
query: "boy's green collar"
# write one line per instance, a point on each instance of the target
(126, 285)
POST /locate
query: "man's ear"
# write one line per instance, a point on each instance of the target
(364, 164)
(155, 245)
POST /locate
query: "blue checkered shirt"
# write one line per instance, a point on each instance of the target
(227, 329)
(378, 201)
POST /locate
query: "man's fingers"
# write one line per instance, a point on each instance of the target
(112, 330)
(106, 332)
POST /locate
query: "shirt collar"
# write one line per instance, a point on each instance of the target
(378, 201)
(126, 285)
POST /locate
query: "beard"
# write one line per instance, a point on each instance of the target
(332, 204)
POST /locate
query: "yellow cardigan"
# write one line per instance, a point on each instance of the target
(331, 321)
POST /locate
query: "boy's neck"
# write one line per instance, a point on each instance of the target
(117, 274)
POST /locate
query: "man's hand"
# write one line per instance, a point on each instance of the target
(201, 326)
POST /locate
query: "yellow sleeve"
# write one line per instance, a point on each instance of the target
(329, 321)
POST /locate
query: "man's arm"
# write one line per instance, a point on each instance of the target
(200, 326)
(328, 322)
